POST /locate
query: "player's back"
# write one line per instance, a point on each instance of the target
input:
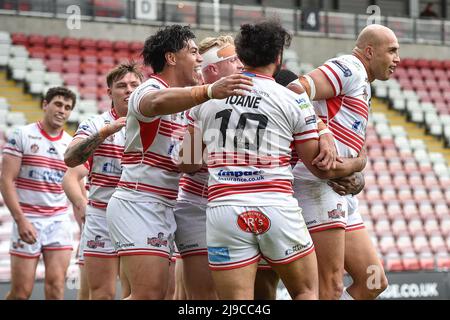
(248, 140)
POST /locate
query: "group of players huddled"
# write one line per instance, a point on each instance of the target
(213, 179)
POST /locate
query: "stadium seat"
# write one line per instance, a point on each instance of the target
(410, 261)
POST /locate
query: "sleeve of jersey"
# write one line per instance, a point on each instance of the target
(86, 129)
(192, 116)
(339, 75)
(306, 126)
(136, 98)
(14, 145)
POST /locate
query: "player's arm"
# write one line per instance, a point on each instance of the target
(327, 156)
(190, 156)
(352, 184)
(80, 149)
(317, 85)
(174, 100)
(309, 149)
(10, 171)
(73, 185)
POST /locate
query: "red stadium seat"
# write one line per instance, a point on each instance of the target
(104, 44)
(415, 226)
(423, 63)
(88, 44)
(53, 41)
(88, 80)
(70, 43)
(426, 261)
(420, 243)
(408, 63)
(121, 45)
(71, 79)
(443, 261)
(410, 262)
(393, 263)
(54, 65)
(36, 40)
(436, 64)
(19, 38)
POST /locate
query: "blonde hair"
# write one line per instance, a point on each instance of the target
(210, 42)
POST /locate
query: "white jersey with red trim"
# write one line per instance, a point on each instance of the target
(248, 141)
(194, 187)
(149, 171)
(347, 113)
(104, 165)
(39, 184)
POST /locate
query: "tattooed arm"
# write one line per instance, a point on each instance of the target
(79, 150)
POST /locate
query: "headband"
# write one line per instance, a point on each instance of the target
(216, 54)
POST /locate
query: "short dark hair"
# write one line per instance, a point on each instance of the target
(121, 71)
(60, 91)
(260, 44)
(169, 39)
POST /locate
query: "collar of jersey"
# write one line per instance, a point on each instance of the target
(258, 75)
(46, 135)
(114, 114)
(154, 76)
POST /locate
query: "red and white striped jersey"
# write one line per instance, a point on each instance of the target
(347, 113)
(104, 165)
(248, 143)
(39, 184)
(149, 171)
(194, 187)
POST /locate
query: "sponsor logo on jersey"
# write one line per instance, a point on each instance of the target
(34, 148)
(119, 245)
(302, 103)
(111, 167)
(158, 241)
(365, 94)
(12, 142)
(84, 127)
(52, 150)
(297, 247)
(96, 243)
(155, 86)
(356, 125)
(224, 173)
(17, 244)
(336, 213)
(34, 137)
(218, 254)
(46, 175)
(253, 222)
(345, 70)
(310, 119)
(183, 246)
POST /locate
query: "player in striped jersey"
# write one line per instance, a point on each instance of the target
(219, 60)
(140, 212)
(341, 92)
(251, 210)
(96, 151)
(31, 176)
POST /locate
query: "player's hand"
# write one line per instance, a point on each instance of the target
(79, 211)
(27, 232)
(233, 85)
(327, 157)
(295, 87)
(115, 126)
(352, 184)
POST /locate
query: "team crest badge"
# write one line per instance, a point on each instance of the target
(336, 213)
(253, 222)
(34, 148)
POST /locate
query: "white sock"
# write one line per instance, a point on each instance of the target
(345, 295)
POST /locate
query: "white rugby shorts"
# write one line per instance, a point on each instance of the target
(96, 238)
(53, 233)
(190, 236)
(141, 228)
(322, 208)
(239, 236)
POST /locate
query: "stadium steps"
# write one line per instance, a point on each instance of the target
(414, 132)
(18, 100)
